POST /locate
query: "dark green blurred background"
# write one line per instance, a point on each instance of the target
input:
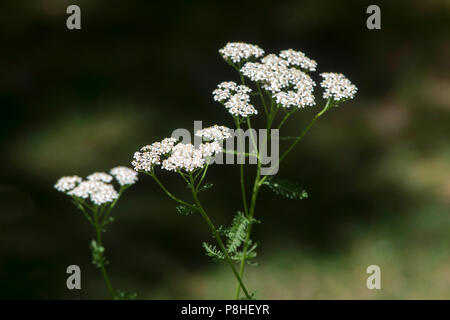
(377, 169)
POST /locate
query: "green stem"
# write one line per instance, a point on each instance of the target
(241, 173)
(259, 181)
(300, 137)
(262, 100)
(171, 196)
(288, 114)
(217, 236)
(205, 169)
(102, 265)
(250, 216)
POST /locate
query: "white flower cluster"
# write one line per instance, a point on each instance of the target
(97, 191)
(124, 175)
(151, 154)
(181, 156)
(214, 133)
(237, 51)
(337, 86)
(289, 85)
(67, 183)
(100, 176)
(184, 156)
(298, 58)
(97, 185)
(235, 98)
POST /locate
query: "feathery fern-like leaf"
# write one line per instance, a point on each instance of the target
(205, 187)
(213, 252)
(184, 210)
(286, 188)
(236, 234)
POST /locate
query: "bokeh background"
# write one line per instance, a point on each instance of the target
(377, 170)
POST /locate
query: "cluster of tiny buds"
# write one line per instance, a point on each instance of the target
(238, 51)
(235, 98)
(97, 185)
(337, 86)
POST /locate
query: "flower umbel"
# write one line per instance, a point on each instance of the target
(238, 51)
(95, 197)
(67, 183)
(214, 133)
(337, 86)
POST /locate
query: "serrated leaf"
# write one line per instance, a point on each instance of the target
(184, 210)
(286, 188)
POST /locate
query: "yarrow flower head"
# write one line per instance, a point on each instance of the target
(238, 51)
(337, 86)
(150, 155)
(124, 175)
(214, 133)
(235, 98)
(182, 156)
(67, 183)
(100, 176)
(97, 191)
(97, 187)
(289, 86)
(298, 58)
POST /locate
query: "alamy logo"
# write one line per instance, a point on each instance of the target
(74, 20)
(374, 20)
(373, 281)
(74, 280)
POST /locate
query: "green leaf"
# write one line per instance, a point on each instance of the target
(205, 187)
(123, 295)
(184, 210)
(213, 252)
(286, 188)
(237, 233)
(98, 258)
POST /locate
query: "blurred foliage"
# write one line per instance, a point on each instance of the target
(377, 169)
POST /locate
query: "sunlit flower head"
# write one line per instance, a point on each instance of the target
(184, 157)
(96, 191)
(214, 133)
(337, 86)
(235, 98)
(238, 51)
(150, 155)
(298, 58)
(124, 175)
(67, 183)
(99, 176)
